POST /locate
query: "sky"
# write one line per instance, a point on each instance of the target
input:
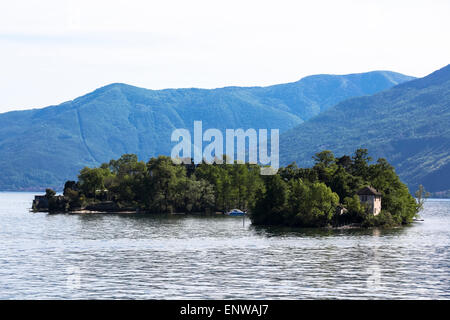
(54, 51)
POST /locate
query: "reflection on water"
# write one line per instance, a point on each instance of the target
(176, 257)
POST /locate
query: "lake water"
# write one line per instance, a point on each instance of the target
(127, 256)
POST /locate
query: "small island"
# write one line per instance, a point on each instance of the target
(349, 190)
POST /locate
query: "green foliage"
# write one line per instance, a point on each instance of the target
(163, 183)
(421, 195)
(294, 203)
(162, 186)
(296, 197)
(384, 219)
(92, 180)
(126, 178)
(270, 206)
(194, 195)
(314, 194)
(312, 204)
(49, 193)
(356, 212)
(235, 186)
(396, 198)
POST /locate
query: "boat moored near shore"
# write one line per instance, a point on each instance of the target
(235, 212)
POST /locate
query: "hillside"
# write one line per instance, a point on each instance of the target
(45, 147)
(407, 124)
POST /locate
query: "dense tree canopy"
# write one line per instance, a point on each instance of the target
(309, 197)
(294, 196)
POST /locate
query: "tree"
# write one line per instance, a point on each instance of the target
(127, 164)
(298, 197)
(344, 183)
(128, 179)
(396, 198)
(320, 207)
(253, 186)
(421, 195)
(194, 195)
(325, 166)
(49, 193)
(361, 161)
(70, 185)
(344, 162)
(163, 178)
(271, 205)
(91, 180)
(324, 158)
(356, 212)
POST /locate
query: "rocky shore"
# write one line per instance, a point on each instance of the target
(61, 204)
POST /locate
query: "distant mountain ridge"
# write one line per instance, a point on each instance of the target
(408, 124)
(45, 147)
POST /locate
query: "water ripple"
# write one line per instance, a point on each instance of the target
(156, 257)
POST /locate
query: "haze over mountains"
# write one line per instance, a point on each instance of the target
(408, 124)
(45, 147)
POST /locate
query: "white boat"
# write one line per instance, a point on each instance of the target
(235, 212)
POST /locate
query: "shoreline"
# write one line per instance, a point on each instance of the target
(351, 226)
(137, 211)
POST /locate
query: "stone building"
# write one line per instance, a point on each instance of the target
(371, 198)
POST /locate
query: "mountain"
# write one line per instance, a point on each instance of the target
(407, 124)
(311, 95)
(45, 147)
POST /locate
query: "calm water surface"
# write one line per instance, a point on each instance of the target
(154, 257)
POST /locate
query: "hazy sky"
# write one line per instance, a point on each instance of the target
(54, 51)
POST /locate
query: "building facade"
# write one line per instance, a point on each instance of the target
(371, 198)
